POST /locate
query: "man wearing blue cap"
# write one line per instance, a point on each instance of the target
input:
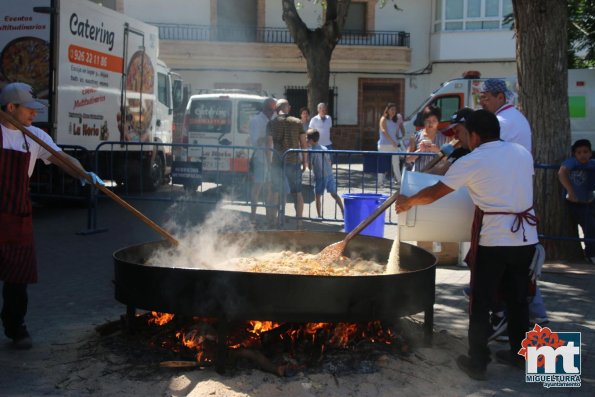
(18, 155)
(495, 97)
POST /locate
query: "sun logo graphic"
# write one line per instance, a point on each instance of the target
(552, 358)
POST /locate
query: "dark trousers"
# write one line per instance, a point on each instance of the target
(500, 272)
(14, 307)
(584, 215)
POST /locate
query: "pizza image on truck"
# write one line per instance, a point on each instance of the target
(108, 84)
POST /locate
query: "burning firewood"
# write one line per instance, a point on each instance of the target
(259, 359)
(179, 364)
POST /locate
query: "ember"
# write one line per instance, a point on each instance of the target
(266, 342)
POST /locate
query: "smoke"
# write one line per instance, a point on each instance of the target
(206, 245)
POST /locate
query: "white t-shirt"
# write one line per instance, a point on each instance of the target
(499, 177)
(324, 128)
(14, 140)
(514, 126)
(258, 129)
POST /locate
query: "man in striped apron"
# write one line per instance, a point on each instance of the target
(499, 177)
(18, 155)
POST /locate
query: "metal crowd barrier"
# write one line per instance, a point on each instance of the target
(53, 183)
(588, 213)
(354, 172)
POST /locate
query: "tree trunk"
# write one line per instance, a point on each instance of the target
(319, 67)
(541, 50)
(317, 45)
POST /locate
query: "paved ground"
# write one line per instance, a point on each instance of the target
(75, 294)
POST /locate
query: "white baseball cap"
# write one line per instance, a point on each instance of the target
(20, 94)
(282, 102)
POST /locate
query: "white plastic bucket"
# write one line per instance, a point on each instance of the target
(448, 219)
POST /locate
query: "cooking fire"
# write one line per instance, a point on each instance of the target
(280, 348)
(327, 311)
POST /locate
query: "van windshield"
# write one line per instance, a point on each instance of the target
(210, 115)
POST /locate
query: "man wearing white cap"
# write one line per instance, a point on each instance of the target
(18, 155)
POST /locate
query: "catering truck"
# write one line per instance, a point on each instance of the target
(99, 74)
(464, 92)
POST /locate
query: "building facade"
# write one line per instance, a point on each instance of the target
(397, 53)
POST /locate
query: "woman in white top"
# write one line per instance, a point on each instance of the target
(428, 140)
(390, 139)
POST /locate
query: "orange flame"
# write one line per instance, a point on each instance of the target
(258, 327)
(202, 334)
(160, 318)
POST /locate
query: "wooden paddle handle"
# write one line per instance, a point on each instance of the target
(7, 118)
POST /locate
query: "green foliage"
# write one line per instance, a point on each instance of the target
(581, 33)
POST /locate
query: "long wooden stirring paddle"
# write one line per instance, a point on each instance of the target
(333, 252)
(64, 161)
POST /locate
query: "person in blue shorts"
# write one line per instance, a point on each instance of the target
(321, 166)
(577, 175)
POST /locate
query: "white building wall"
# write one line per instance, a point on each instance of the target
(194, 12)
(473, 45)
(415, 19)
(435, 57)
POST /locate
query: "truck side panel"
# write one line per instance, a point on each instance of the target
(25, 40)
(100, 52)
(581, 103)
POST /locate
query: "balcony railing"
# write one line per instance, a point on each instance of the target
(273, 35)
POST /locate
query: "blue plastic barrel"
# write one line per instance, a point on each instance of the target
(358, 206)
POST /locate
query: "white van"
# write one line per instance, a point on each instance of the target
(220, 124)
(455, 94)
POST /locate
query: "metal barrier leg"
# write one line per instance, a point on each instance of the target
(92, 215)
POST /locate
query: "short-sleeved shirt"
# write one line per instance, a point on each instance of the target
(582, 178)
(323, 127)
(499, 177)
(321, 162)
(514, 126)
(285, 131)
(258, 129)
(422, 161)
(14, 140)
(392, 128)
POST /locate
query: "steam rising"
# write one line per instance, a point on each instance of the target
(204, 246)
(226, 241)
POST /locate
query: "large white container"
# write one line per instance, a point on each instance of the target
(446, 220)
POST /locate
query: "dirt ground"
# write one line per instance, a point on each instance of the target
(75, 295)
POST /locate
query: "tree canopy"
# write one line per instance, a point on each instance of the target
(581, 33)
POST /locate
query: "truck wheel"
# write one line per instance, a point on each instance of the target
(154, 174)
